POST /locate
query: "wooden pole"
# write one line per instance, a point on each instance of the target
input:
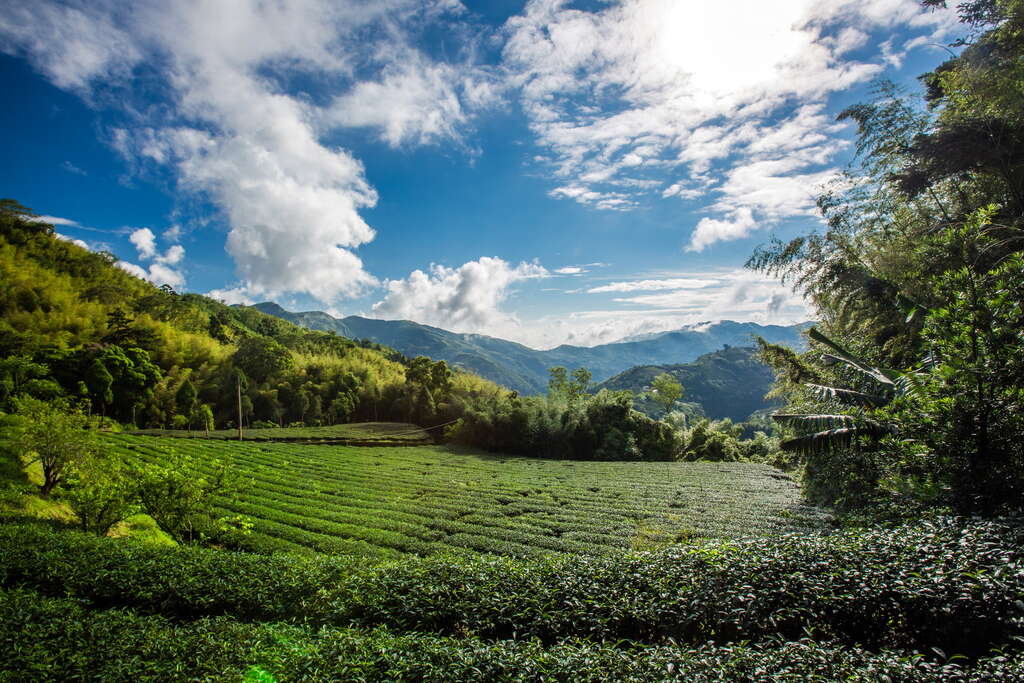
(238, 385)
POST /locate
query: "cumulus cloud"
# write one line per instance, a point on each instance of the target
(134, 269)
(415, 101)
(710, 230)
(233, 130)
(160, 271)
(463, 299)
(661, 98)
(233, 295)
(82, 243)
(144, 241)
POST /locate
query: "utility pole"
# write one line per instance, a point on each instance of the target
(238, 386)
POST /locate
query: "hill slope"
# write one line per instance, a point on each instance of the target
(383, 501)
(727, 383)
(526, 370)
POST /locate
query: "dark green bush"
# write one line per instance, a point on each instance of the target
(954, 585)
(601, 427)
(47, 639)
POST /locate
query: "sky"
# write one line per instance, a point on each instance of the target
(544, 171)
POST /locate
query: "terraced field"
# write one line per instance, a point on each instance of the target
(383, 501)
(372, 433)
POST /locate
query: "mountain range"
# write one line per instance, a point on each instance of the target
(730, 382)
(524, 369)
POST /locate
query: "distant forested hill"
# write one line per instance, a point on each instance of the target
(729, 383)
(74, 326)
(526, 370)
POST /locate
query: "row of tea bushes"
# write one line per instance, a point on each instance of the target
(948, 584)
(430, 500)
(46, 639)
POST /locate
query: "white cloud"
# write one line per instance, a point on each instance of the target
(710, 230)
(83, 244)
(652, 285)
(173, 256)
(160, 271)
(658, 97)
(233, 131)
(570, 270)
(73, 46)
(678, 300)
(230, 296)
(144, 241)
(71, 168)
(414, 101)
(136, 270)
(463, 299)
(55, 220)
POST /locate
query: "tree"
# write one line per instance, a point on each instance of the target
(204, 417)
(54, 435)
(101, 493)
(261, 358)
(666, 390)
(180, 496)
(185, 398)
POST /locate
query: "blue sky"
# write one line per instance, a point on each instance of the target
(542, 171)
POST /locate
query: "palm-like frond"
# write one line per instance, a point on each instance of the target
(882, 375)
(817, 422)
(833, 439)
(847, 396)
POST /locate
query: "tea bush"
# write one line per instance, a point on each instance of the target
(950, 584)
(45, 639)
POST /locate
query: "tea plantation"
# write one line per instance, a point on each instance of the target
(385, 501)
(933, 601)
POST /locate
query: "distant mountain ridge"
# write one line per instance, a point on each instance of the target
(730, 382)
(524, 369)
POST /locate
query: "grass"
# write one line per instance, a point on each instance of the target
(369, 432)
(388, 501)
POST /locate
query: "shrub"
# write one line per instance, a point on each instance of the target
(948, 584)
(47, 639)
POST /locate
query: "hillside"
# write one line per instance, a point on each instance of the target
(75, 326)
(729, 383)
(524, 369)
(383, 501)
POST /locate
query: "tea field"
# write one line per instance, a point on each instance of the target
(388, 501)
(372, 433)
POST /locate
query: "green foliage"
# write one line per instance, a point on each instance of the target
(731, 382)
(56, 639)
(384, 500)
(965, 404)
(919, 270)
(566, 425)
(101, 492)
(179, 495)
(713, 441)
(261, 358)
(54, 435)
(947, 584)
(666, 390)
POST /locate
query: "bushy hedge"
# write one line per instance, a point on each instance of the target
(600, 427)
(952, 585)
(47, 639)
